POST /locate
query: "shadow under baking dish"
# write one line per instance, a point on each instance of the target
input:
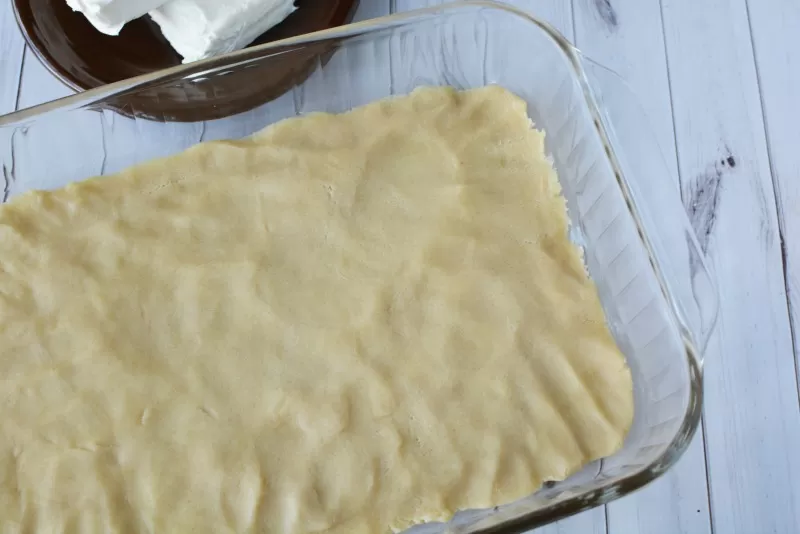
(84, 58)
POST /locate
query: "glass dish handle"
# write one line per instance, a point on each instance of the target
(682, 264)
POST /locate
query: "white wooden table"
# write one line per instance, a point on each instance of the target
(720, 80)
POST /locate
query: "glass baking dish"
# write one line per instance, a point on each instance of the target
(624, 207)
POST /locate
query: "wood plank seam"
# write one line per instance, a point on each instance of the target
(703, 434)
(19, 76)
(574, 20)
(9, 174)
(712, 522)
(779, 208)
(607, 31)
(715, 105)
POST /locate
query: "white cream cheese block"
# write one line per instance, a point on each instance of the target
(109, 16)
(199, 29)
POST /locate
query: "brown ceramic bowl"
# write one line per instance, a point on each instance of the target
(83, 58)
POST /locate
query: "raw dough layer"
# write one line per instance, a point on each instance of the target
(344, 324)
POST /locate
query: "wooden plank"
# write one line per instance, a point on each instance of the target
(556, 12)
(76, 144)
(752, 422)
(627, 37)
(13, 47)
(37, 85)
(776, 43)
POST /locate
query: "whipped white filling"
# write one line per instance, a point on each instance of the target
(199, 29)
(109, 16)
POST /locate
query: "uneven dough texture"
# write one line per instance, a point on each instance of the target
(346, 324)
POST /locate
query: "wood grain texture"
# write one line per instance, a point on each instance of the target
(12, 47)
(627, 37)
(752, 424)
(776, 43)
(36, 84)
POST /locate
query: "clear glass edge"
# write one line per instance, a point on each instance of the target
(701, 333)
(575, 503)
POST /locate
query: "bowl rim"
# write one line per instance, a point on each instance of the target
(62, 74)
(563, 506)
(34, 46)
(242, 57)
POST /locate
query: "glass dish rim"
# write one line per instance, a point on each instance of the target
(692, 417)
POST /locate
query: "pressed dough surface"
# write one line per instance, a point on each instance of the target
(344, 324)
